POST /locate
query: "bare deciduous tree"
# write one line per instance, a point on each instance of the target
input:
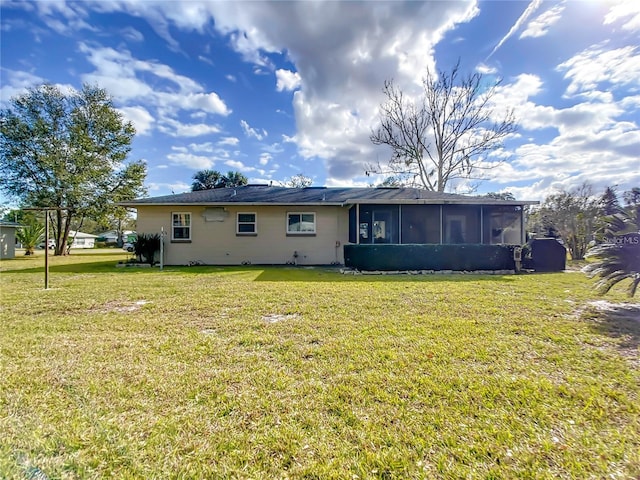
(443, 135)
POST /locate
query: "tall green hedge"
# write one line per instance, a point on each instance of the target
(430, 257)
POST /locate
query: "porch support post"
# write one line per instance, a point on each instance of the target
(481, 223)
(400, 223)
(357, 224)
(441, 226)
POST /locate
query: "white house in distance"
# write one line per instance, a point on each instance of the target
(82, 240)
(111, 236)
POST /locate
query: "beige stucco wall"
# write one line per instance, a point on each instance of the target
(216, 242)
(7, 242)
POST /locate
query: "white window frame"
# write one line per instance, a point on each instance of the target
(254, 223)
(305, 232)
(187, 226)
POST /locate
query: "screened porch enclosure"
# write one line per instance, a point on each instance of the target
(436, 224)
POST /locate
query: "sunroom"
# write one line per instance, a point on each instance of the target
(434, 236)
(436, 224)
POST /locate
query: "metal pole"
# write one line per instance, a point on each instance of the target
(161, 248)
(46, 249)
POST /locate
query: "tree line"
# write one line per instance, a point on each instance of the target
(581, 218)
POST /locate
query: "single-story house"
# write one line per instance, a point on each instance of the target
(8, 239)
(82, 240)
(111, 236)
(364, 228)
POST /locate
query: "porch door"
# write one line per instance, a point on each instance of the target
(385, 228)
(456, 229)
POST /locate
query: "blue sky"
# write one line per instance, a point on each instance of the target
(274, 89)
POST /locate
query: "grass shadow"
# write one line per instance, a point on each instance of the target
(260, 273)
(107, 266)
(332, 274)
(617, 320)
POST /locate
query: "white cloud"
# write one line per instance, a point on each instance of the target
(485, 69)
(337, 66)
(629, 11)
(127, 79)
(265, 158)
(540, 26)
(287, 80)
(531, 8)
(132, 34)
(206, 60)
(140, 117)
(201, 147)
(205, 102)
(591, 140)
(274, 148)
(120, 64)
(232, 141)
(63, 17)
(258, 134)
(15, 83)
(597, 65)
(176, 187)
(196, 162)
(341, 68)
(236, 165)
(338, 72)
(175, 128)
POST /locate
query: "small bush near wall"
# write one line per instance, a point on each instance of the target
(430, 257)
(146, 247)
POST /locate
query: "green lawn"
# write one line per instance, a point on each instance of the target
(265, 373)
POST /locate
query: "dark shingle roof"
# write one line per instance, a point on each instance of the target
(266, 195)
(4, 223)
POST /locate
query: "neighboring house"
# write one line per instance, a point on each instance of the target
(366, 228)
(111, 236)
(82, 240)
(8, 239)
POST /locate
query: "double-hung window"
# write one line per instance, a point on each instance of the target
(301, 223)
(246, 224)
(181, 226)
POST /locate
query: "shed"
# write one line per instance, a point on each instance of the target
(8, 239)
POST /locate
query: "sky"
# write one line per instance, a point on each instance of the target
(276, 89)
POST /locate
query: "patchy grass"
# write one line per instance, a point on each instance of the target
(252, 372)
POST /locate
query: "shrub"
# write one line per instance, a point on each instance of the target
(618, 257)
(146, 246)
(29, 237)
